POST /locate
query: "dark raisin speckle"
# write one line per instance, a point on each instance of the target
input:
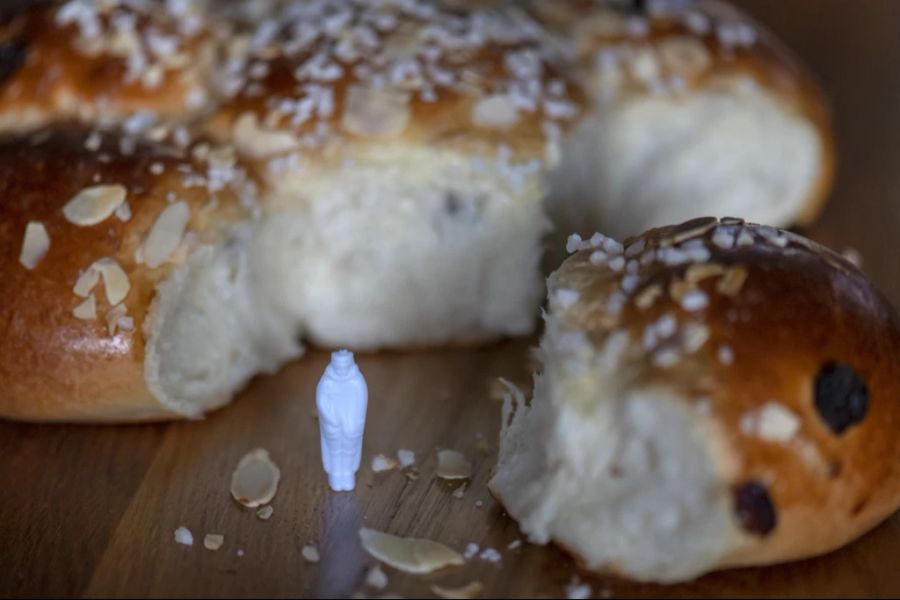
(754, 508)
(12, 57)
(842, 398)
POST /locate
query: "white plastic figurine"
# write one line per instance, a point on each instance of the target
(341, 400)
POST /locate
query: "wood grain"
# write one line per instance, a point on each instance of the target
(91, 511)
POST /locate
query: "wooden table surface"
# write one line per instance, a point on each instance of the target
(91, 511)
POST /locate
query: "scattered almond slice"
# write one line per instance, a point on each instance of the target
(184, 536)
(86, 282)
(115, 281)
(265, 512)
(213, 541)
(383, 463)
(113, 317)
(87, 310)
(166, 234)
(35, 245)
(472, 589)
(459, 492)
(407, 458)
(411, 555)
(453, 465)
(123, 213)
(257, 142)
(94, 204)
(255, 479)
(376, 578)
(310, 554)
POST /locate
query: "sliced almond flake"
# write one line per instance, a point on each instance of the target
(123, 213)
(472, 589)
(310, 554)
(692, 229)
(184, 536)
(376, 578)
(697, 272)
(411, 555)
(693, 336)
(406, 458)
(684, 55)
(166, 234)
(86, 282)
(495, 112)
(115, 281)
(373, 112)
(647, 296)
(731, 283)
(678, 288)
(265, 512)
(459, 492)
(112, 318)
(94, 204)
(380, 463)
(213, 541)
(35, 245)
(453, 465)
(87, 310)
(255, 479)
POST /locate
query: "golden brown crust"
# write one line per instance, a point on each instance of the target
(435, 68)
(97, 62)
(759, 316)
(54, 366)
(679, 48)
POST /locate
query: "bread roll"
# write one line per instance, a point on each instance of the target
(140, 61)
(696, 110)
(130, 287)
(712, 395)
(406, 148)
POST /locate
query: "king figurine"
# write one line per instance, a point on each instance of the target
(341, 400)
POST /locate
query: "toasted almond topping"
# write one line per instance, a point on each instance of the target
(495, 112)
(113, 317)
(259, 143)
(453, 465)
(678, 288)
(166, 234)
(115, 281)
(697, 272)
(383, 463)
(647, 296)
(373, 112)
(94, 204)
(86, 282)
(693, 336)
(407, 458)
(411, 555)
(255, 479)
(184, 536)
(213, 541)
(34, 245)
(470, 590)
(87, 310)
(123, 213)
(310, 554)
(265, 512)
(376, 578)
(731, 283)
(684, 55)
